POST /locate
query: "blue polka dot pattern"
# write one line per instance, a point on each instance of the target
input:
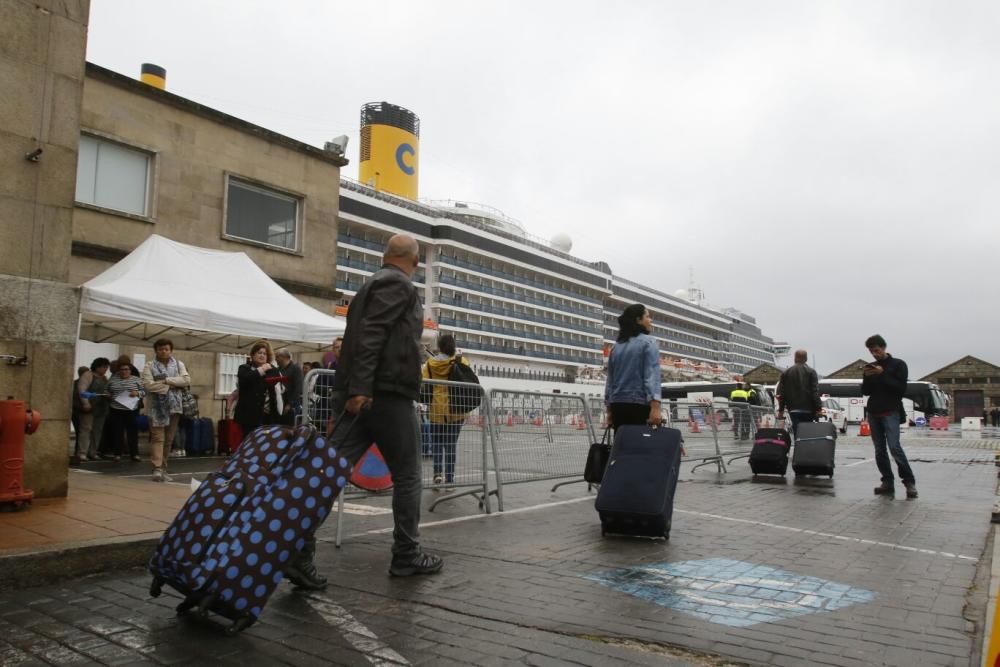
(239, 529)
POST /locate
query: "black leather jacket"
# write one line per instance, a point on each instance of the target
(798, 389)
(381, 348)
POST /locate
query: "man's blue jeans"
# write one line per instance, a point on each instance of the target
(885, 435)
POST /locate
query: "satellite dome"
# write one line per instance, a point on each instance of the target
(562, 242)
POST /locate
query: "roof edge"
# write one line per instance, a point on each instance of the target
(184, 104)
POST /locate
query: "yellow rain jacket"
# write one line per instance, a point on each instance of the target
(437, 368)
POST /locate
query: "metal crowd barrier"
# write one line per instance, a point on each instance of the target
(540, 436)
(456, 445)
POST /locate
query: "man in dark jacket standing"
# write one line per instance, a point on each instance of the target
(798, 392)
(884, 384)
(378, 379)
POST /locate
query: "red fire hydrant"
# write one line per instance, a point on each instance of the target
(16, 421)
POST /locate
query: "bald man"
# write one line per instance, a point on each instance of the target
(378, 379)
(798, 391)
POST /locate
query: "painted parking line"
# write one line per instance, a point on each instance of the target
(818, 533)
(857, 463)
(357, 635)
(764, 524)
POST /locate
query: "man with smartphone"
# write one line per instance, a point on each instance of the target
(885, 385)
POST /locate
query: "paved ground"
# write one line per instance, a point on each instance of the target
(772, 571)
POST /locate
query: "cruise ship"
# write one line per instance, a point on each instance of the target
(525, 312)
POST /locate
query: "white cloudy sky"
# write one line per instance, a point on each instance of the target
(829, 167)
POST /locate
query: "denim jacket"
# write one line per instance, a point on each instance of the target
(633, 371)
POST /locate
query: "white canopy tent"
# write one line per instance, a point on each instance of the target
(204, 300)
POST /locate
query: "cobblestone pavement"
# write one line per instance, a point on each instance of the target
(768, 571)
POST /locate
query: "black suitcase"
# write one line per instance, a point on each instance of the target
(597, 459)
(769, 455)
(637, 494)
(227, 549)
(815, 446)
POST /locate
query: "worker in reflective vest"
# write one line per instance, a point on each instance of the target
(739, 400)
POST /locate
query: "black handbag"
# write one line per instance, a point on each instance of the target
(597, 459)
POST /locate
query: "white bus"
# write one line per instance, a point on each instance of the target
(922, 399)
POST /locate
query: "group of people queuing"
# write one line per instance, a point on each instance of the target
(107, 408)
(632, 393)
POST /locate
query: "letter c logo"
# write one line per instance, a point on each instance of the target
(400, 152)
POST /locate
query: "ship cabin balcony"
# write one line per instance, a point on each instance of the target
(502, 290)
(525, 278)
(528, 332)
(473, 342)
(461, 301)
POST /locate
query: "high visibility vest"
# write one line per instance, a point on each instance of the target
(739, 395)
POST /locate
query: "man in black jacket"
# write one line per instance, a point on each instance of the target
(798, 392)
(884, 384)
(378, 379)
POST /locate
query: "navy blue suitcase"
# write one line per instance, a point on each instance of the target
(227, 548)
(637, 493)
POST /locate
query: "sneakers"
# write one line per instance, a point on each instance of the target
(438, 479)
(885, 489)
(420, 563)
(136, 458)
(911, 490)
(157, 475)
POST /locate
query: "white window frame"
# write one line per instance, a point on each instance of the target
(266, 189)
(227, 366)
(152, 165)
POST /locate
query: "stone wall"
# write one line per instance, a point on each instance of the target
(42, 50)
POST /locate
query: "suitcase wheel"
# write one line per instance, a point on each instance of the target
(156, 587)
(189, 603)
(205, 605)
(239, 625)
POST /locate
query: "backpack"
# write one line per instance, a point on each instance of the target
(462, 400)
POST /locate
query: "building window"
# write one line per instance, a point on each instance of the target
(255, 213)
(112, 176)
(228, 365)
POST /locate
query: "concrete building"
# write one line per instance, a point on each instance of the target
(155, 162)
(973, 385)
(42, 50)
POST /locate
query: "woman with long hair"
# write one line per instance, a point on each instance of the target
(632, 390)
(257, 404)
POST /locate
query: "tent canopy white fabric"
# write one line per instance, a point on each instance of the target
(205, 300)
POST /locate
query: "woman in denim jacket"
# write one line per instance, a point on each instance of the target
(632, 391)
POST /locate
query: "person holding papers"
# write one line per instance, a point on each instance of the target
(124, 391)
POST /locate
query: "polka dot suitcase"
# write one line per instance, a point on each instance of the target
(227, 548)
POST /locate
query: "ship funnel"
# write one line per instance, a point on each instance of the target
(154, 75)
(390, 149)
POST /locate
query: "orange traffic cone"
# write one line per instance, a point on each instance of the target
(865, 429)
(693, 425)
(538, 420)
(581, 424)
(510, 420)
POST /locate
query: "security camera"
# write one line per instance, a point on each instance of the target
(337, 145)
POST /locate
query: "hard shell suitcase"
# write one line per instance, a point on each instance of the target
(637, 494)
(199, 436)
(230, 434)
(228, 546)
(769, 455)
(815, 446)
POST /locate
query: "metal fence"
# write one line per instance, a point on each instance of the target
(456, 446)
(539, 436)
(512, 437)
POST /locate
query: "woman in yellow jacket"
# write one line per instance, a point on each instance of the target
(445, 425)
